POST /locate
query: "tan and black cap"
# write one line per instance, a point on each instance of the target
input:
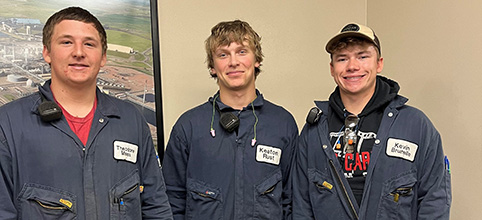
(354, 30)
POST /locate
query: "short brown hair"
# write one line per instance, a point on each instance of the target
(76, 14)
(348, 42)
(227, 32)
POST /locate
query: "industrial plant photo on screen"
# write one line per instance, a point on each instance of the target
(128, 74)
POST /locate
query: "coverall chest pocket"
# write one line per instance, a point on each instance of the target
(323, 194)
(125, 198)
(398, 196)
(203, 201)
(44, 202)
(267, 197)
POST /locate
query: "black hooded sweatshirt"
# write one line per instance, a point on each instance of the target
(355, 164)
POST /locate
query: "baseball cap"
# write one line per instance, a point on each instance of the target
(355, 30)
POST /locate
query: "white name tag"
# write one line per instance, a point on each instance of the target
(402, 149)
(268, 154)
(125, 151)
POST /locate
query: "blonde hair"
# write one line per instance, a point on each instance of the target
(227, 32)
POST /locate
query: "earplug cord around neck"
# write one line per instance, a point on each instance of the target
(213, 132)
(253, 141)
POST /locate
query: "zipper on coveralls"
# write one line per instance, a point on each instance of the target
(120, 200)
(403, 191)
(347, 198)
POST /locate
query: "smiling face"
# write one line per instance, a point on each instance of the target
(227, 32)
(355, 68)
(75, 54)
(234, 66)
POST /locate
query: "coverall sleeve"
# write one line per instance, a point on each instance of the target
(155, 204)
(175, 168)
(435, 193)
(7, 205)
(286, 169)
(301, 199)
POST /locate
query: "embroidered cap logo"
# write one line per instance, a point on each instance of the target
(351, 27)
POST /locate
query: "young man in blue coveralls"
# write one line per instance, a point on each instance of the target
(365, 154)
(71, 152)
(230, 157)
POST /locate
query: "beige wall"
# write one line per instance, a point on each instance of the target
(431, 48)
(295, 67)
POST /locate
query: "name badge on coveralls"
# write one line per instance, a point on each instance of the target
(401, 149)
(125, 151)
(268, 154)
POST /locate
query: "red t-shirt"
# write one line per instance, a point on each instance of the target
(80, 126)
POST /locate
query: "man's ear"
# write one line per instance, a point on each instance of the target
(104, 60)
(212, 71)
(380, 65)
(46, 55)
(331, 68)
